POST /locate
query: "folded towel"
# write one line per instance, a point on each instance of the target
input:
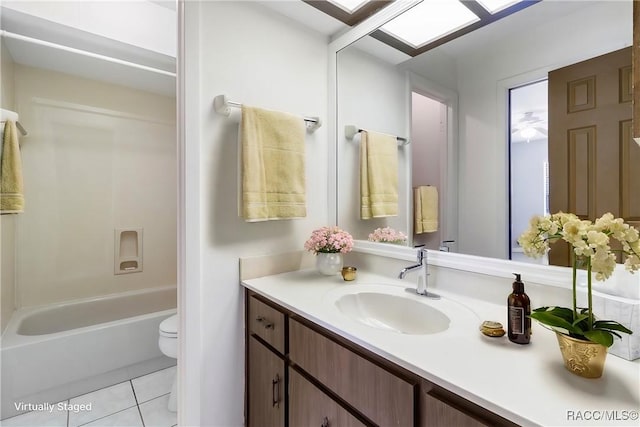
(11, 195)
(425, 201)
(378, 175)
(273, 165)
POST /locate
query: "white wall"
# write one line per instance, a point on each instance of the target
(257, 57)
(99, 157)
(373, 95)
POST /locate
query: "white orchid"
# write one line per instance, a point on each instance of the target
(590, 244)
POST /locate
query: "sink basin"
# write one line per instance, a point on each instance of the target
(393, 313)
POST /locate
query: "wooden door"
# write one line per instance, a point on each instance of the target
(591, 152)
(266, 387)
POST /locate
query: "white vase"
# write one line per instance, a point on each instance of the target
(329, 264)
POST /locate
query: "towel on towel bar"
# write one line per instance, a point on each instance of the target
(425, 200)
(273, 165)
(378, 175)
(11, 190)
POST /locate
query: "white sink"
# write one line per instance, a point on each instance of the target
(387, 308)
(393, 313)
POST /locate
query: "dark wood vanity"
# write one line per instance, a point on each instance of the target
(301, 375)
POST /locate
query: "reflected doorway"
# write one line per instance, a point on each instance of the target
(528, 162)
(429, 159)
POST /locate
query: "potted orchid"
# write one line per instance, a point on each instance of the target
(576, 327)
(329, 243)
(387, 235)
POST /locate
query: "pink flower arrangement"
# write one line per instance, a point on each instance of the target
(329, 240)
(387, 235)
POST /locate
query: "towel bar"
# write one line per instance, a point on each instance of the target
(350, 132)
(13, 116)
(223, 106)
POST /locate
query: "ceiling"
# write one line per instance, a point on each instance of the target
(535, 14)
(36, 42)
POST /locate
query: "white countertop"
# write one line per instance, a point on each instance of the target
(526, 384)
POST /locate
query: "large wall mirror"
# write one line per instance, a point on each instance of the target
(453, 104)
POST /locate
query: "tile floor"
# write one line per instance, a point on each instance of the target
(139, 402)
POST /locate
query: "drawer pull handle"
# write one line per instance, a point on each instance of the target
(325, 422)
(265, 322)
(275, 391)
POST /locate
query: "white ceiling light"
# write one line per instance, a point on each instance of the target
(430, 20)
(349, 5)
(528, 133)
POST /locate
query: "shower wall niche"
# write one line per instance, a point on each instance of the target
(128, 251)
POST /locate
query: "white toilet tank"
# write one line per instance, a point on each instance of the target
(168, 336)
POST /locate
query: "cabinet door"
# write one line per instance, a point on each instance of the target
(266, 387)
(310, 407)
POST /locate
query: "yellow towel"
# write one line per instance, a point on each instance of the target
(11, 193)
(378, 175)
(425, 201)
(273, 165)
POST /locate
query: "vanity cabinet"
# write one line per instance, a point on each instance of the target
(302, 375)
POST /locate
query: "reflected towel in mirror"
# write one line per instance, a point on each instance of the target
(425, 200)
(378, 175)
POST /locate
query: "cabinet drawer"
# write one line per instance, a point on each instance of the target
(267, 323)
(381, 396)
(309, 406)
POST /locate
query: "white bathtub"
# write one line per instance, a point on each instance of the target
(56, 352)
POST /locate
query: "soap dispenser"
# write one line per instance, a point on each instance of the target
(518, 311)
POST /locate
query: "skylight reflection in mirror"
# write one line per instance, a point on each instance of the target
(494, 6)
(349, 5)
(430, 20)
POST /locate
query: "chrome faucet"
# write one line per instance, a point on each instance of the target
(423, 275)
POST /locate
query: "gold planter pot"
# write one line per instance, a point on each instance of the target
(583, 358)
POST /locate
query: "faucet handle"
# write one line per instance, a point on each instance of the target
(421, 252)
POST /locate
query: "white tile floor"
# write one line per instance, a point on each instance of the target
(140, 402)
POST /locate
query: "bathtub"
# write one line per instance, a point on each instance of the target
(56, 352)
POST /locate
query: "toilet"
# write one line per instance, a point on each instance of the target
(168, 343)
